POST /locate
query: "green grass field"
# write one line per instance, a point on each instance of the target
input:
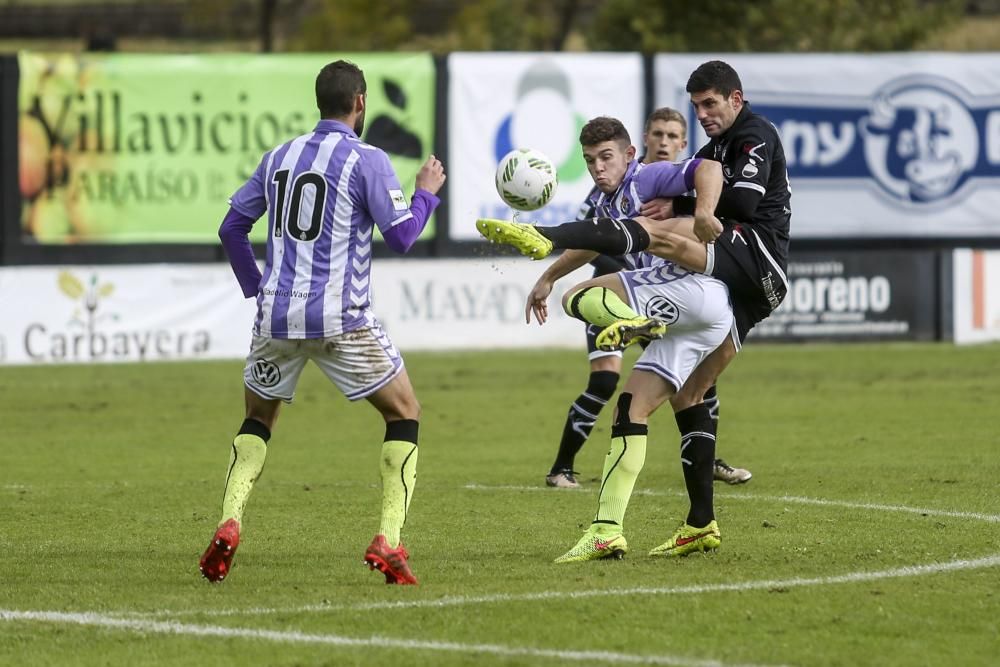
(870, 534)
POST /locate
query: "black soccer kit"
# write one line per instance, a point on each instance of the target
(751, 254)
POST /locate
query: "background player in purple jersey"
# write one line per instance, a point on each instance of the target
(324, 192)
(664, 137)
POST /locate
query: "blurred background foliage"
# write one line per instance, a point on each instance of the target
(442, 26)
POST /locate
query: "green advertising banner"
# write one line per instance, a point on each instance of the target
(126, 148)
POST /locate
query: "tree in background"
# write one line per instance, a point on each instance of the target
(649, 26)
(768, 25)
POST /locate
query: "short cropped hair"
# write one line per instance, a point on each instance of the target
(337, 84)
(666, 114)
(716, 75)
(603, 128)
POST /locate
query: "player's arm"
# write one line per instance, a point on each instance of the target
(685, 204)
(569, 261)
(245, 207)
(401, 224)
(708, 183)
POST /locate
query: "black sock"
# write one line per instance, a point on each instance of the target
(604, 235)
(582, 415)
(713, 402)
(698, 460)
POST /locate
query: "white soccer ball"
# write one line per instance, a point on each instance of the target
(526, 179)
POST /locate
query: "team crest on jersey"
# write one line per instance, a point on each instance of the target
(265, 373)
(662, 309)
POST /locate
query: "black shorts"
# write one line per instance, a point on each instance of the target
(756, 281)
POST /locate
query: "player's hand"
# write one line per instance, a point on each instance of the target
(707, 227)
(431, 175)
(537, 301)
(660, 208)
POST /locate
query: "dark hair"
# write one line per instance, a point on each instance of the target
(666, 114)
(716, 75)
(336, 87)
(603, 128)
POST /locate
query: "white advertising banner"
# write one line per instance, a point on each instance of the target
(501, 101)
(156, 312)
(976, 295)
(94, 314)
(471, 303)
(898, 145)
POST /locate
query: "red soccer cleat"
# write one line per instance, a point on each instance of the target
(390, 562)
(216, 560)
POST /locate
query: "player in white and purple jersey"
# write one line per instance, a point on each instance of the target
(614, 196)
(639, 305)
(324, 193)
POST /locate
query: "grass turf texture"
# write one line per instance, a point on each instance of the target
(111, 481)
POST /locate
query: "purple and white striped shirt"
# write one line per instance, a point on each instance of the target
(643, 183)
(323, 192)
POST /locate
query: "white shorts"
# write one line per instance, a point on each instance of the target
(695, 308)
(358, 362)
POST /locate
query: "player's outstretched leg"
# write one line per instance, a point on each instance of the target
(245, 465)
(688, 539)
(604, 235)
(398, 467)
(522, 237)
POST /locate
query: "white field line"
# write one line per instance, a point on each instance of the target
(562, 596)
(294, 637)
(802, 500)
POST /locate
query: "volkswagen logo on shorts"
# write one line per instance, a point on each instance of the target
(663, 309)
(265, 373)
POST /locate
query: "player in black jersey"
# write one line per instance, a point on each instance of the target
(745, 244)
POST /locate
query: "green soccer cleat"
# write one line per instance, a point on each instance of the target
(522, 237)
(623, 333)
(596, 547)
(688, 539)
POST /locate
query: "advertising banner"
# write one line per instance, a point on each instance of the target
(158, 312)
(469, 304)
(857, 295)
(976, 295)
(501, 101)
(898, 145)
(126, 148)
(88, 314)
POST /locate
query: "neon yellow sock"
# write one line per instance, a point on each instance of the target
(245, 465)
(621, 469)
(599, 306)
(399, 475)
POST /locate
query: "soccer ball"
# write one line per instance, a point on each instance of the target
(526, 179)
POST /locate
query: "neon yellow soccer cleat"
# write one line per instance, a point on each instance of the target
(596, 547)
(688, 539)
(623, 333)
(521, 236)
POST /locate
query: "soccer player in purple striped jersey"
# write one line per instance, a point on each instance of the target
(664, 137)
(324, 193)
(684, 315)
